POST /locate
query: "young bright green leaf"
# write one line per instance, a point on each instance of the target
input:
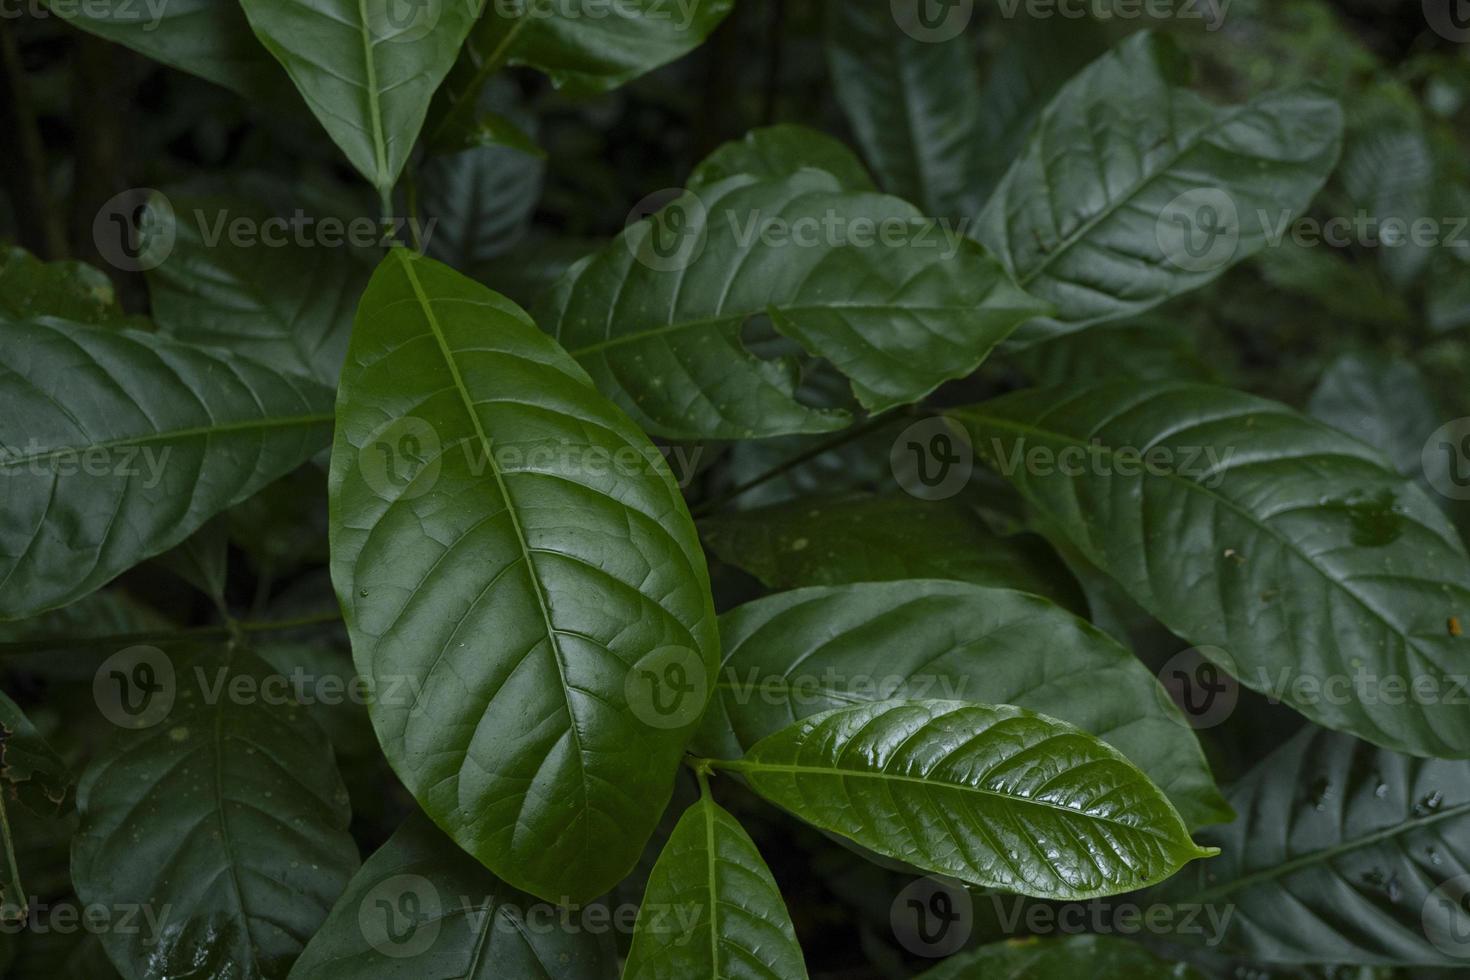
(164, 436)
(272, 297)
(656, 316)
(913, 103)
(1133, 190)
(70, 290)
(1093, 956)
(225, 820)
(817, 540)
(508, 541)
(208, 38)
(780, 151)
(366, 69)
(797, 654)
(420, 907)
(1343, 853)
(712, 909)
(1293, 555)
(995, 796)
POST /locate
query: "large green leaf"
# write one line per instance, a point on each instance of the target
(208, 38)
(226, 821)
(506, 538)
(366, 70)
(819, 540)
(797, 654)
(712, 909)
(1119, 203)
(995, 796)
(420, 908)
(1096, 957)
(1295, 556)
(118, 444)
(913, 103)
(657, 322)
(273, 297)
(1343, 853)
(773, 152)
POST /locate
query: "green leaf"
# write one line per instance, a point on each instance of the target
(70, 290)
(1116, 205)
(797, 654)
(1385, 402)
(995, 796)
(420, 908)
(272, 297)
(1097, 957)
(33, 776)
(820, 540)
(914, 105)
(208, 38)
(507, 540)
(775, 152)
(225, 820)
(166, 436)
(367, 73)
(202, 559)
(477, 203)
(1292, 555)
(1344, 853)
(657, 323)
(1155, 347)
(712, 909)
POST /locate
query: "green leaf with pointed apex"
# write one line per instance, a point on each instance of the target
(658, 323)
(70, 290)
(366, 71)
(1293, 555)
(208, 38)
(524, 580)
(419, 907)
(797, 654)
(1093, 956)
(729, 919)
(201, 560)
(167, 436)
(271, 298)
(1117, 205)
(226, 819)
(913, 103)
(820, 540)
(1343, 853)
(995, 796)
(780, 151)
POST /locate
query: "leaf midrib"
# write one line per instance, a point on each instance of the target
(169, 435)
(384, 181)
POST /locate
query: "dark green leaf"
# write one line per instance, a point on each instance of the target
(780, 151)
(70, 290)
(479, 201)
(1384, 402)
(995, 796)
(166, 436)
(1095, 957)
(712, 909)
(509, 542)
(1291, 554)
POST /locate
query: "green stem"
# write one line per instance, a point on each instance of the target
(235, 629)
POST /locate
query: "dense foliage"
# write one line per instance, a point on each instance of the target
(681, 489)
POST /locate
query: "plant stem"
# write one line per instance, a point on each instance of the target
(221, 632)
